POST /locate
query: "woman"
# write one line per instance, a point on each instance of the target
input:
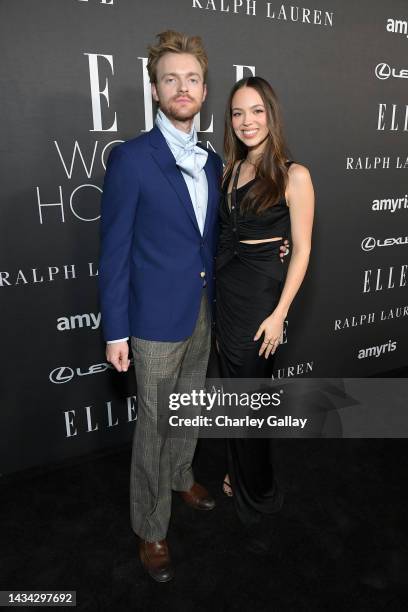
(264, 196)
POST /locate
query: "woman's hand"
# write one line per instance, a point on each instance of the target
(272, 327)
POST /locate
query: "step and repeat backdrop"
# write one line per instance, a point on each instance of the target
(74, 84)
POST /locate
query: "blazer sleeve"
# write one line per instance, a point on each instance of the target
(118, 208)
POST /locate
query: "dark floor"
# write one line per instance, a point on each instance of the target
(340, 540)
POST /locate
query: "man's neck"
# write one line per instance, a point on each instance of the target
(183, 126)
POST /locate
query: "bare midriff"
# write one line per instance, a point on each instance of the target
(259, 241)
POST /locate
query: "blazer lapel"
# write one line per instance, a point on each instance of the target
(165, 159)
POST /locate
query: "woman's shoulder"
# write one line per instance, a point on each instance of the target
(297, 172)
(299, 184)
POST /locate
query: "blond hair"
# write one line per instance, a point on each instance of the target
(176, 42)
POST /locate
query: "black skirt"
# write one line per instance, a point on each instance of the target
(246, 295)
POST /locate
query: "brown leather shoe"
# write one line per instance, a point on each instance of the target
(155, 559)
(198, 497)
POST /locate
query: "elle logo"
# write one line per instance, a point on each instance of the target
(104, 63)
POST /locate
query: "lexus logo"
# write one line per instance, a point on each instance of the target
(368, 244)
(382, 71)
(65, 374)
(61, 375)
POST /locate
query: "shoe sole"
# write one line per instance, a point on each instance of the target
(201, 509)
(160, 580)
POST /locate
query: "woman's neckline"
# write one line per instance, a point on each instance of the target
(244, 185)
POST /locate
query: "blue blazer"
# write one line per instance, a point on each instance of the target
(152, 254)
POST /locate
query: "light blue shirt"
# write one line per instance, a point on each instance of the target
(191, 160)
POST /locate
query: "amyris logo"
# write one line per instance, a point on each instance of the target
(77, 321)
(397, 26)
(390, 204)
(377, 351)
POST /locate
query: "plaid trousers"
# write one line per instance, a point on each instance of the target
(159, 463)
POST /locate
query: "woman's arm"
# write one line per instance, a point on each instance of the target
(300, 197)
(301, 209)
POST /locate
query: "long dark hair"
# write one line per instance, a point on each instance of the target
(271, 169)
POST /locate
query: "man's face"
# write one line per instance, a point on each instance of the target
(180, 89)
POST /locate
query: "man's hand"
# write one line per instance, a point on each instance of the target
(117, 354)
(284, 249)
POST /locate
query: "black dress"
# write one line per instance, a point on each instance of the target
(249, 280)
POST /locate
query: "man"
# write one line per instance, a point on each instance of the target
(158, 240)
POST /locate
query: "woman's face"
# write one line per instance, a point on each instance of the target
(249, 119)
